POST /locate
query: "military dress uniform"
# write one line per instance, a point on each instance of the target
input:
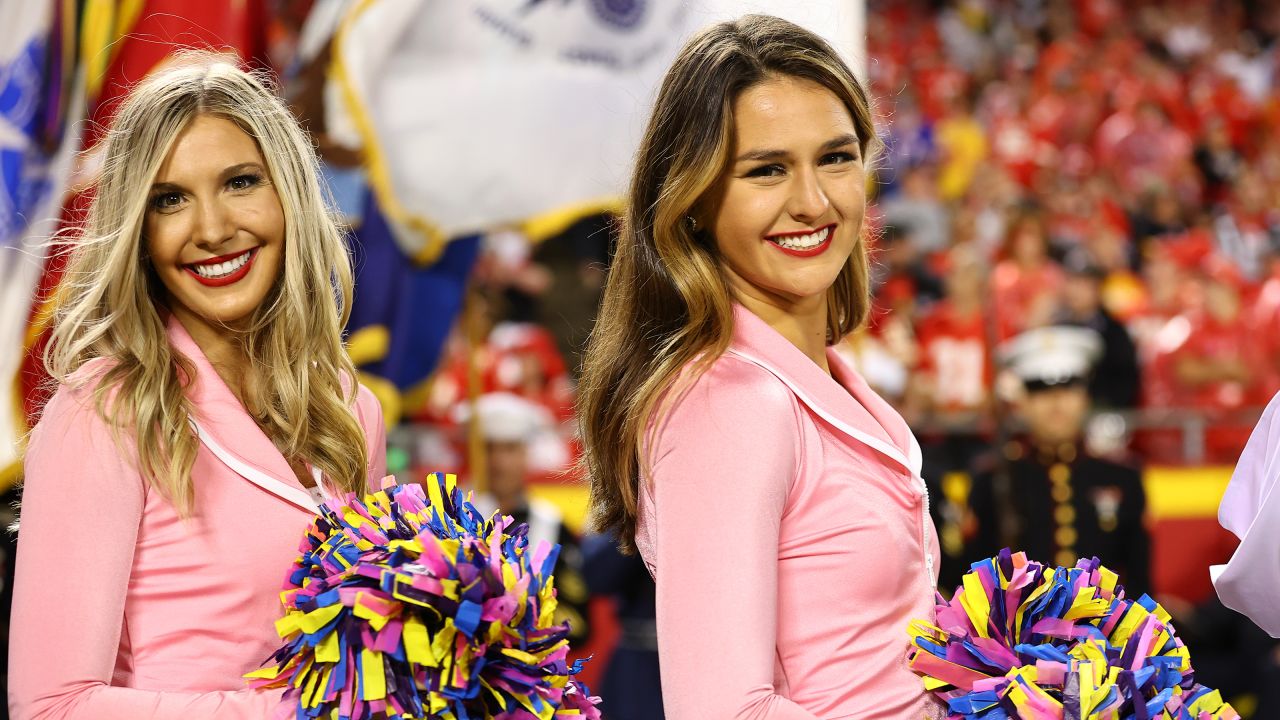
(1060, 503)
(1066, 505)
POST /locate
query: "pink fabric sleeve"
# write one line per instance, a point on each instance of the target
(375, 429)
(723, 462)
(81, 508)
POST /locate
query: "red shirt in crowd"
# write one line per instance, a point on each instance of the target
(1024, 298)
(953, 358)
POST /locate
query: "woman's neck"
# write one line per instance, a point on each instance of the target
(802, 323)
(223, 352)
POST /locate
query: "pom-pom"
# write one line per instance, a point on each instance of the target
(1023, 641)
(413, 605)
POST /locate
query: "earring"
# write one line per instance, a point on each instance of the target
(692, 222)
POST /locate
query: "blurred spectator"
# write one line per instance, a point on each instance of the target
(1247, 226)
(1218, 161)
(1159, 215)
(953, 377)
(1265, 321)
(990, 203)
(1250, 65)
(1114, 382)
(1160, 327)
(917, 211)
(961, 147)
(1047, 495)
(883, 357)
(1152, 149)
(1218, 367)
(905, 283)
(507, 424)
(515, 357)
(1027, 282)
(632, 684)
(909, 140)
(577, 260)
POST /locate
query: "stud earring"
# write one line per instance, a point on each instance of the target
(692, 222)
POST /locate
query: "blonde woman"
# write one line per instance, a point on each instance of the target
(775, 498)
(205, 405)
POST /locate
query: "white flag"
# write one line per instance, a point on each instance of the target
(480, 113)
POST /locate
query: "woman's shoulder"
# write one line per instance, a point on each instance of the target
(77, 391)
(734, 417)
(734, 386)
(75, 426)
(90, 374)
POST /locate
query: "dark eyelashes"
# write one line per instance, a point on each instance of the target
(158, 201)
(828, 159)
(245, 181)
(765, 171)
(170, 200)
(842, 156)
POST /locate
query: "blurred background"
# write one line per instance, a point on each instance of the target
(1049, 164)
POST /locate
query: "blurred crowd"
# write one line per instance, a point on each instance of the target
(1086, 162)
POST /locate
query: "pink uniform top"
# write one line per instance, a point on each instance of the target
(1250, 509)
(124, 611)
(787, 528)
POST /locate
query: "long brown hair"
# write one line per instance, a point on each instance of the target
(667, 304)
(113, 301)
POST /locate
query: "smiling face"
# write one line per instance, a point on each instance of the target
(214, 226)
(788, 211)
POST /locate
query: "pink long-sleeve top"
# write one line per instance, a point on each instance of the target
(122, 610)
(787, 528)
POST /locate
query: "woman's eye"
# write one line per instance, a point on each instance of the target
(766, 171)
(836, 158)
(166, 201)
(244, 182)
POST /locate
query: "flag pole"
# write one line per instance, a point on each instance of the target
(473, 331)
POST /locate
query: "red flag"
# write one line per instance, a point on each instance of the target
(163, 28)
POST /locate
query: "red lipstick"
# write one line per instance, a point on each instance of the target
(818, 249)
(225, 280)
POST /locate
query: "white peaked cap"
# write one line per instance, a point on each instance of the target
(506, 417)
(1052, 355)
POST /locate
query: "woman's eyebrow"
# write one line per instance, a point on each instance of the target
(766, 154)
(763, 155)
(164, 187)
(242, 167)
(839, 142)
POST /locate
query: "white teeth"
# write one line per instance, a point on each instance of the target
(222, 269)
(804, 242)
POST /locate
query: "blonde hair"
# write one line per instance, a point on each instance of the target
(667, 304)
(113, 298)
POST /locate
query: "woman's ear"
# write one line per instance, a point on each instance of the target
(698, 219)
